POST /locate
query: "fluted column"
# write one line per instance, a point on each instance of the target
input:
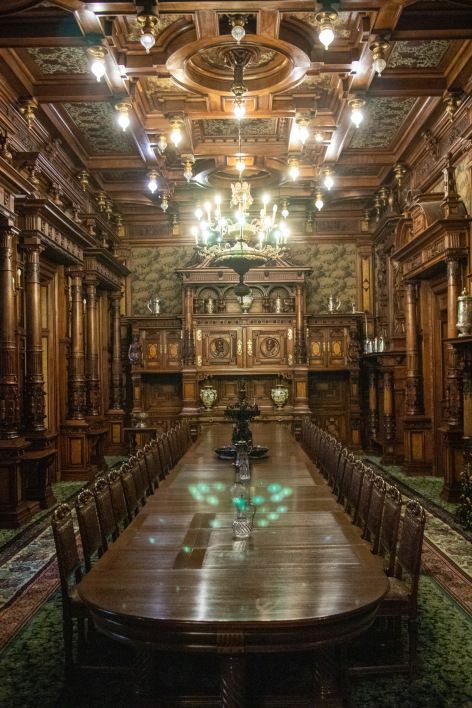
(92, 376)
(34, 412)
(372, 416)
(9, 385)
(414, 394)
(300, 339)
(453, 390)
(115, 402)
(77, 356)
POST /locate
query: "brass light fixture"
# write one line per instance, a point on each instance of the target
(319, 203)
(293, 168)
(164, 202)
(152, 181)
(328, 179)
(302, 130)
(237, 26)
(123, 108)
(356, 105)
(378, 50)
(148, 22)
(176, 124)
(188, 162)
(162, 143)
(399, 171)
(326, 20)
(239, 59)
(97, 55)
(83, 177)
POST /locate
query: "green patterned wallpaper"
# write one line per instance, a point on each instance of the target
(334, 273)
(152, 272)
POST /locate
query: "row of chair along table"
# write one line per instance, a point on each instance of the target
(103, 510)
(376, 508)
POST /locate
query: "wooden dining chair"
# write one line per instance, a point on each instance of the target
(374, 515)
(141, 458)
(140, 482)
(346, 479)
(364, 497)
(401, 600)
(93, 542)
(354, 490)
(156, 462)
(70, 573)
(389, 525)
(118, 501)
(129, 490)
(108, 525)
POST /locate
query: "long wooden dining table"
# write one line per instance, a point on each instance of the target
(176, 580)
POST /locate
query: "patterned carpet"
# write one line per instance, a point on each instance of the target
(31, 649)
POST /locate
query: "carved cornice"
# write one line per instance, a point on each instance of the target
(107, 269)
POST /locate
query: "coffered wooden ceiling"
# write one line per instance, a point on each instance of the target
(43, 56)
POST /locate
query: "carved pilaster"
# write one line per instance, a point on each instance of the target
(115, 402)
(188, 344)
(388, 417)
(92, 375)
(453, 387)
(372, 419)
(77, 357)
(300, 339)
(9, 385)
(414, 384)
(34, 411)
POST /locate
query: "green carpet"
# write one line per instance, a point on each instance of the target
(32, 675)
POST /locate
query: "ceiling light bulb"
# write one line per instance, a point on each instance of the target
(285, 212)
(319, 203)
(328, 180)
(123, 108)
(294, 170)
(148, 31)
(239, 110)
(162, 143)
(147, 40)
(98, 68)
(302, 132)
(356, 114)
(164, 203)
(319, 137)
(188, 174)
(176, 134)
(325, 20)
(188, 161)
(326, 35)
(238, 32)
(152, 183)
(379, 65)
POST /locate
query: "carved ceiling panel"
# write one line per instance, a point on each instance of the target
(417, 54)
(384, 119)
(97, 123)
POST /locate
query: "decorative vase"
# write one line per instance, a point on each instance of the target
(208, 396)
(154, 305)
(279, 395)
(333, 304)
(464, 314)
(278, 305)
(246, 302)
(141, 419)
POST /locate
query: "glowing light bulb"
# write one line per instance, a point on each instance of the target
(176, 135)
(319, 137)
(152, 183)
(326, 35)
(240, 165)
(198, 213)
(162, 143)
(303, 133)
(294, 171)
(164, 203)
(239, 110)
(147, 40)
(123, 120)
(98, 68)
(379, 65)
(328, 180)
(319, 203)
(357, 117)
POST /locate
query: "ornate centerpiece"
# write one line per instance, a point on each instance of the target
(279, 395)
(241, 413)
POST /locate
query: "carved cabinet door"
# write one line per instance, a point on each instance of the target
(336, 339)
(172, 350)
(267, 347)
(220, 347)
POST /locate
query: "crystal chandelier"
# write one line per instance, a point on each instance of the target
(248, 238)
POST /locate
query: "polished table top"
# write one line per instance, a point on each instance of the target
(176, 578)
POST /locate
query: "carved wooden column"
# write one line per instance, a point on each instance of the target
(451, 429)
(115, 413)
(75, 449)
(372, 419)
(388, 418)
(39, 457)
(300, 338)
(453, 394)
(34, 412)
(417, 426)
(414, 392)
(77, 394)
(14, 510)
(91, 360)
(190, 398)
(300, 370)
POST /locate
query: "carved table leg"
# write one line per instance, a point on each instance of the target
(327, 679)
(232, 669)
